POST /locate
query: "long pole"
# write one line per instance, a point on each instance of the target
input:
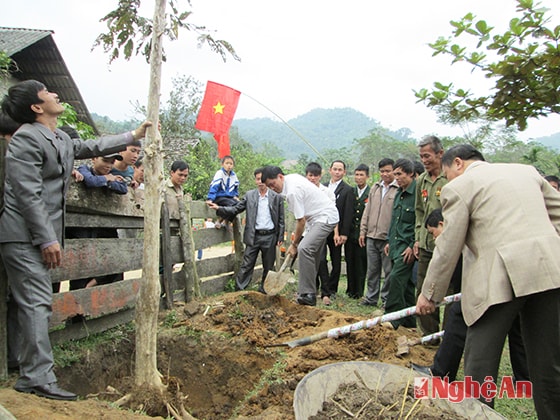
(368, 323)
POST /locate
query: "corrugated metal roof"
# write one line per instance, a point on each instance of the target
(36, 56)
(13, 40)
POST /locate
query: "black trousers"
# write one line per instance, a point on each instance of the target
(266, 245)
(540, 328)
(336, 259)
(449, 353)
(356, 268)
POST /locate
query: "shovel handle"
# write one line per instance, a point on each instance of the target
(286, 263)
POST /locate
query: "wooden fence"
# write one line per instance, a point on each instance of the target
(105, 306)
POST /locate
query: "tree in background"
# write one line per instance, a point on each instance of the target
(523, 61)
(381, 144)
(106, 125)
(70, 117)
(5, 65)
(178, 117)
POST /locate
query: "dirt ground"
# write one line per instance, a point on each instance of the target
(218, 355)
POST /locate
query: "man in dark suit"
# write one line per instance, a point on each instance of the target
(264, 229)
(38, 167)
(344, 200)
(354, 254)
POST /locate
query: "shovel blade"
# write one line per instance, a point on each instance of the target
(276, 281)
(402, 345)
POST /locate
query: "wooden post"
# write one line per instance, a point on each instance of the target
(187, 240)
(238, 244)
(166, 255)
(3, 280)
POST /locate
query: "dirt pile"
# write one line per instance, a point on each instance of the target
(217, 354)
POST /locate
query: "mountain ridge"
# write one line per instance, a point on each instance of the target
(326, 128)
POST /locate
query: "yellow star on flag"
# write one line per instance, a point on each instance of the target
(219, 108)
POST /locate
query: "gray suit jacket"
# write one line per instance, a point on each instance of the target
(38, 168)
(506, 220)
(250, 204)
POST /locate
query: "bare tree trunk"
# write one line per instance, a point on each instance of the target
(147, 306)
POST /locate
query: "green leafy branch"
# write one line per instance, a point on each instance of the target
(129, 33)
(526, 67)
(5, 64)
(70, 118)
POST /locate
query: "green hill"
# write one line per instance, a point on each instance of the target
(552, 141)
(323, 128)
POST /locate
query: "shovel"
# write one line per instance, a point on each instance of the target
(276, 281)
(404, 344)
(368, 323)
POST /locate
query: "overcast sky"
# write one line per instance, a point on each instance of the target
(296, 55)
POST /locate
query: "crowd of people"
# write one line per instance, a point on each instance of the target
(498, 246)
(449, 223)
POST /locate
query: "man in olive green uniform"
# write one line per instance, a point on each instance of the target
(401, 243)
(428, 191)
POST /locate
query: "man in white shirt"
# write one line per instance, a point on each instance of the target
(312, 207)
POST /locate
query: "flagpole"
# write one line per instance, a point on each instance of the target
(289, 126)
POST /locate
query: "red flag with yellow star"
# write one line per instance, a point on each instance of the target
(217, 112)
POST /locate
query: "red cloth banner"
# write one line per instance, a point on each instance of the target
(223, 145)
(216, 113)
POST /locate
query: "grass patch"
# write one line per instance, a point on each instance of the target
(170, 319)
(230, 285)
(271, 376)
(237, 313)
(70, 352)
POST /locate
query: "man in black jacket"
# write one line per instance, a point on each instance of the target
(344, 200)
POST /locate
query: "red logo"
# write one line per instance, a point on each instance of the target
(457, 391)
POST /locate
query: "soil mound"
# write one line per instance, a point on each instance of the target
(217, 354)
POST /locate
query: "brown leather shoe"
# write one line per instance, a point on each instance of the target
(52, 391)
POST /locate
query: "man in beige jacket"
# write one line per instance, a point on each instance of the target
(373, 233)
(506, 220)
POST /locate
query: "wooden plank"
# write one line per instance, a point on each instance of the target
(200, 210)
(110, 221)
(94, 302)
(213, 266)
(80, 199)
(205, 238)
(98, 257)
(215, 284)
(91, 326)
